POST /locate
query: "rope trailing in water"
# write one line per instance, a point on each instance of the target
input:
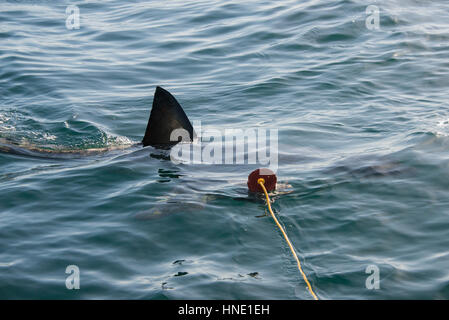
(261, 181)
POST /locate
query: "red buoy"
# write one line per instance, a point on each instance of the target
(267, 175)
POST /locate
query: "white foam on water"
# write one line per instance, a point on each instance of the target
(119, 141)
(443, 128)
(7, 128)
(4, 126)
(4, 118)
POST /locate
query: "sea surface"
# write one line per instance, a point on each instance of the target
(361, 108)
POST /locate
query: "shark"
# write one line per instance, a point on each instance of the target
(167, 118)
(168, 125)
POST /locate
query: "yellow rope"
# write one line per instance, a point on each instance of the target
(261, 181)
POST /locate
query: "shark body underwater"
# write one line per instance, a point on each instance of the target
(166, 116)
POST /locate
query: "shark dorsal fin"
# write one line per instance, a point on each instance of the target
(166, 115)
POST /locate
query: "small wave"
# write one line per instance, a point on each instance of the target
(24, 135)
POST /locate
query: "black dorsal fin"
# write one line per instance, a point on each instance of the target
(166, 115)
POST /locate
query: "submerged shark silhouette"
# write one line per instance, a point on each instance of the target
(166, 117)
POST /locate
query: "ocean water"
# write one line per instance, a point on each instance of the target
(362, 113)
